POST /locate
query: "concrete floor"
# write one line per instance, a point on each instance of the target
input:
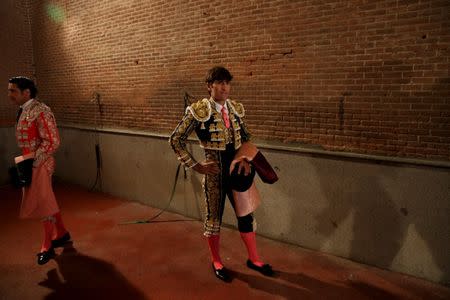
(169, 259)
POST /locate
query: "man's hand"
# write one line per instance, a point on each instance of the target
(243, 164)
(210, 167)
(21, 158)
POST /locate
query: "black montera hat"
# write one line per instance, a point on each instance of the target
(240, 182)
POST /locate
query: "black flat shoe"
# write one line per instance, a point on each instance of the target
(222, 274)
(45, 256)
(61, 241)
(265, 269)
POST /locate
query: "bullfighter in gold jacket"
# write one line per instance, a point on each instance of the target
(220, 127)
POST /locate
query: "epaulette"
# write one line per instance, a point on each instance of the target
(37, 108)
(201, 110)
(237, 108)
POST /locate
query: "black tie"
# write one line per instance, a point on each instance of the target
(18, 114)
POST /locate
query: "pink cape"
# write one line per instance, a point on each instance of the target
(38, 199)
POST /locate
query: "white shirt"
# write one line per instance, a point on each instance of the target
(26, 104)
(219, 107)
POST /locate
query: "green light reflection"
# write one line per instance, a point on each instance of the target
(55, 12)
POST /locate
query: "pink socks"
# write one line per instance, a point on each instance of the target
(48, 231)
(59, 226)
(249, 239)
(214, 245)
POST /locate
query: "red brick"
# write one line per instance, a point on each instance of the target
(299, 71)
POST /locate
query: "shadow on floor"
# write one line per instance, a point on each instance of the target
(301, 286)
(84, 277)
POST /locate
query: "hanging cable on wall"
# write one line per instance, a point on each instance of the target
(98, 155)
(187, 101)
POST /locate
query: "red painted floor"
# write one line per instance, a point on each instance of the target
(169, 259)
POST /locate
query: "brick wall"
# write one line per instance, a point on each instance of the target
(16, 57)
(358, 76)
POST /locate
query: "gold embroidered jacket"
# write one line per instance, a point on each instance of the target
(208, 124)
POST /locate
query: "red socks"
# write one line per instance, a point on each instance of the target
(249, 239)
(48, 231)
(60, 230)
(53, 229)
(214, 245)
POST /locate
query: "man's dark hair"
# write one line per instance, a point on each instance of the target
(24, 83)
(218, 73)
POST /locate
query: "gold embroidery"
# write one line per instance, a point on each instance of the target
(178, 139)
(212, 192)
(37, 132)
(237, 108)
(229, 135)
(201, 110)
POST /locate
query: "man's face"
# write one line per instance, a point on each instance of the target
(16, 95)
(219, 89)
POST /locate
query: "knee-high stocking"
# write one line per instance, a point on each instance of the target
(48, 231)
(249, 239)
(214, 246)
(60, 230)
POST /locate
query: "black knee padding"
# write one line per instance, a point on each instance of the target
(245, 223)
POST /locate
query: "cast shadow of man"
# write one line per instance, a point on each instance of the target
(85, 277)
(385, 203)
(302, 286)
(378, 228)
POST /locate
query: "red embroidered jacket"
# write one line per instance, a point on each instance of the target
(36, 131)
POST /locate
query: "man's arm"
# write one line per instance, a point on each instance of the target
(245, 134)
(178, 142)
(178, 139)
(48, 133)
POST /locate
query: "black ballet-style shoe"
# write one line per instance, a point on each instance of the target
(45, 256)
(61, 241)
(222, 274)
(265, 269)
